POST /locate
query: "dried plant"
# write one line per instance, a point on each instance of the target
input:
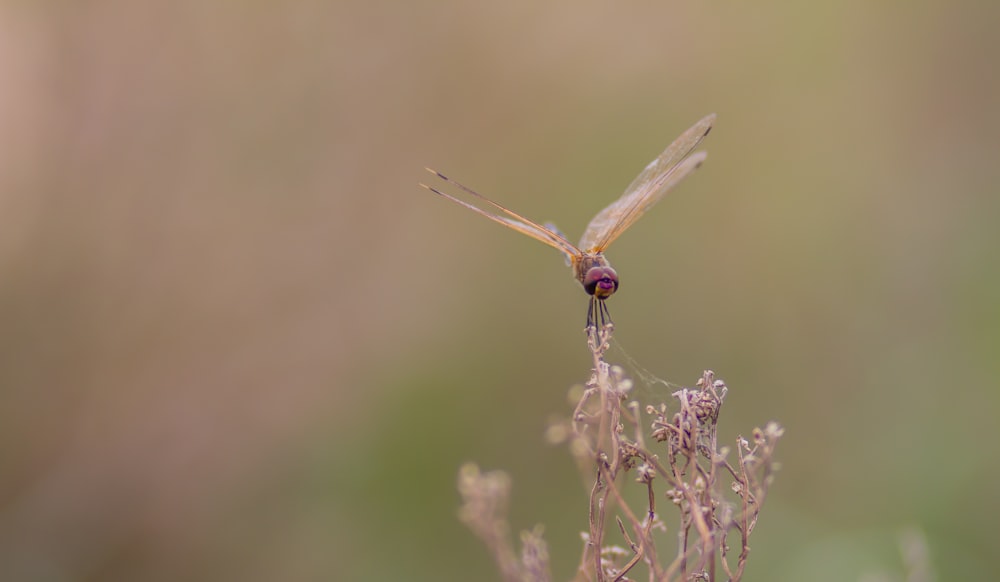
(717, 502)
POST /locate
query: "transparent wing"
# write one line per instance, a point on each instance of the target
(513, 220)
(659, 177)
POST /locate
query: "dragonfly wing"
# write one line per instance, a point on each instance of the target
(658, 178)
(617, 218)
(520, 224)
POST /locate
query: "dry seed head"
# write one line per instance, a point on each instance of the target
(774, 430)
(706, 406)
(579, 449)
(557, 433)
(699, 484)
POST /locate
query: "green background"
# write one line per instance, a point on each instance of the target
(240, 343)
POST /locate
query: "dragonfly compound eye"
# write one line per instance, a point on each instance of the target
(601, 282)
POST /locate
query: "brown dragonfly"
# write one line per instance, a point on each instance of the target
(587, 260)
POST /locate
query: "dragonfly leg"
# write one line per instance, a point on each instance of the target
(597, 314)
(605, 317)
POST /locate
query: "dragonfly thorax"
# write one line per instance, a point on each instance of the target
(597, 276)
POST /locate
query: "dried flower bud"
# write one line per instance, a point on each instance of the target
(645, 473)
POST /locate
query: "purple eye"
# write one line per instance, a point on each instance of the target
(601, 282)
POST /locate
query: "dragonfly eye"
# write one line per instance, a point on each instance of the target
(601, 282)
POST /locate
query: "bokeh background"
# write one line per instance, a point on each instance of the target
(238, 342)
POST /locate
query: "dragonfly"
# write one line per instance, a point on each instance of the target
(590, 267)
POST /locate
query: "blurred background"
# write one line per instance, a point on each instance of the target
(238, 342)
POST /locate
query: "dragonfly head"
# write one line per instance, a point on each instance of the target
(601, 282)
